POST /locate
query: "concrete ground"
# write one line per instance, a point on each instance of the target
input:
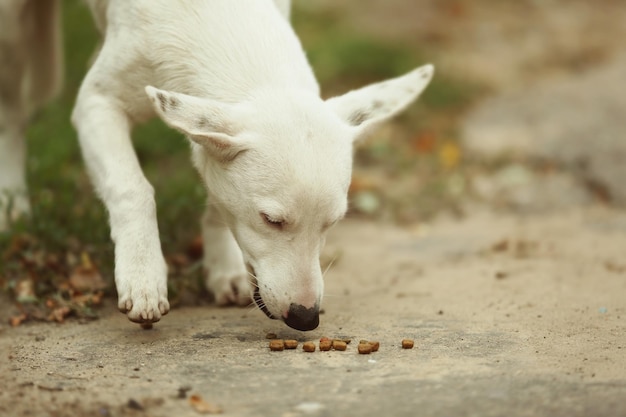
(510, 315)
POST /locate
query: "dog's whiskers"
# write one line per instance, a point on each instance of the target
(332, 261)
(251, 306)
(332, 295)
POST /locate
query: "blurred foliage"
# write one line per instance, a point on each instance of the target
(417, 153)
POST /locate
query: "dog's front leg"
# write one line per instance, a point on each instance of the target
(227, 278)
(140, 269)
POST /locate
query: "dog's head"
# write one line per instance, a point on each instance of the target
(278, 168)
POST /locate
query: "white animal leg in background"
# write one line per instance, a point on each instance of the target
(30, 75)
(140, 269)
(13, 115)
(227, 278)
(13, 190)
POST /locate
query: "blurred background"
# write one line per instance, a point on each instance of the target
(525, 114)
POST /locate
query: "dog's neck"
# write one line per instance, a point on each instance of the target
(256, 49)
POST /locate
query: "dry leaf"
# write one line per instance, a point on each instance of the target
(86, 277)
(15, 321)
(91, 298)
(202, 406)
(59, 314)
(195, 248)
(179, 260)
(362, 182)
(424, 142)
(25, 291)
(449, 155)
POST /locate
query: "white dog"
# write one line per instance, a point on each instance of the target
(276, 158)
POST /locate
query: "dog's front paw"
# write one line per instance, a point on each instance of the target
(230, 289)
(144, 306)
(142, 296)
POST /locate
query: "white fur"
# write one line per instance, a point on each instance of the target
(276, 158)
(30, 75)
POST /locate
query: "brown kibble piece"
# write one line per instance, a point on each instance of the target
(375, 346)
(365, 348)
(339, 345)
(362, 341)
(407, 344)
(291, 344)
(325, 345)
(325, 339)
(277, 345)
(308, 347)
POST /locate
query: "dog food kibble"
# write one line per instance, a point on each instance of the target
(365, 348)
(308, 347)
(277, 345)
(339, 345)
(326, 345)
(375, 346)
(325, 339)
(407, 344)
(291, 344)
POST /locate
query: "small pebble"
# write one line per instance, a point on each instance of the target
(182, 391)
(308, 347)
(134, 404)
(407, 344)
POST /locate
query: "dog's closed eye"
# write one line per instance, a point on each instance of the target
(273, 221)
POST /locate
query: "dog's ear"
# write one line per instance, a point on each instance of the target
(375, 103)
(204, 121)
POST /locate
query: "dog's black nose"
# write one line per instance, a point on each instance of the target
(301, 318)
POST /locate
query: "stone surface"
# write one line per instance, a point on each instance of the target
(516, 316)
(576, 122)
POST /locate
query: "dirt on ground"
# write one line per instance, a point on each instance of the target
(513, 312)
(510, 316)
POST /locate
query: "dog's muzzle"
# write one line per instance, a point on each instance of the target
(298, 317)
(259, 303)
(256, 295)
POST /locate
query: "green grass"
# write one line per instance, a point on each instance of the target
(67, 214)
